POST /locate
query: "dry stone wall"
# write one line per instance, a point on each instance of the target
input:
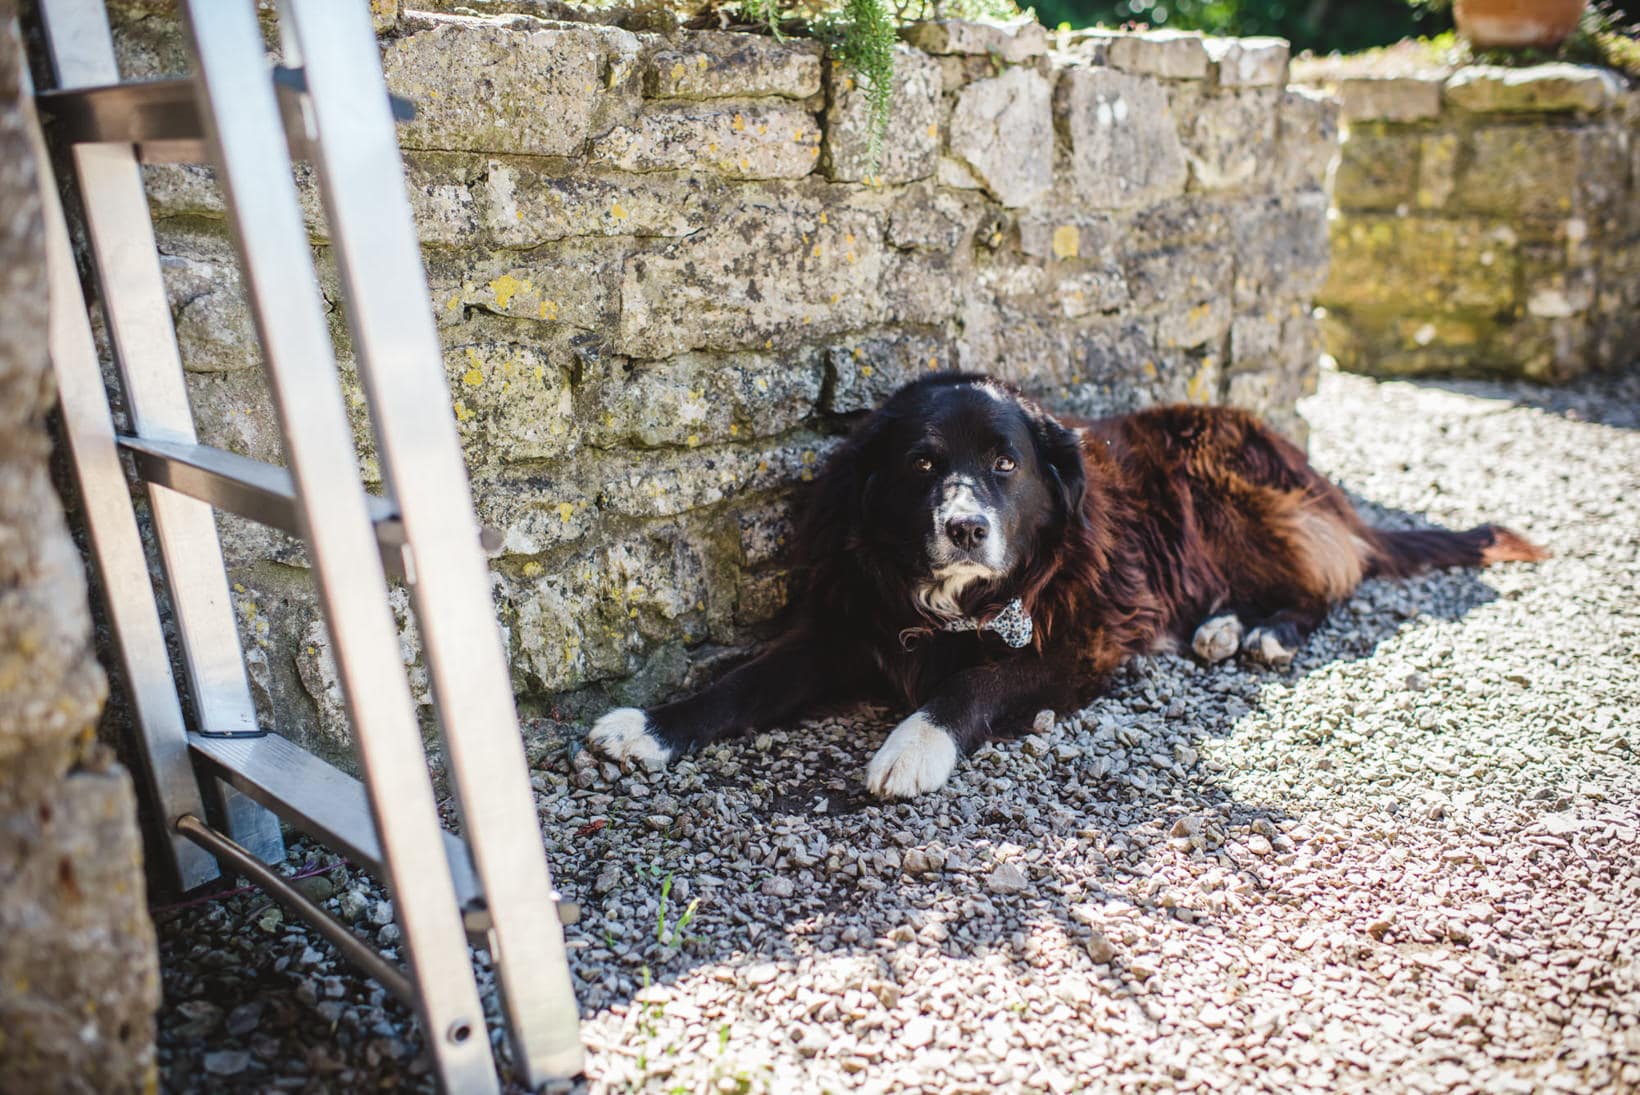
(78, 975)
(1487, 221)
(666, 275)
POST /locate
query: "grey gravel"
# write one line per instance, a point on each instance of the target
(1404, 864)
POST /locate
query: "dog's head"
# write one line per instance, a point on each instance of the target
(959, 480)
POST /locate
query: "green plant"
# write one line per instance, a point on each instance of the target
(861, 35)
(1608, 36)
(763, 13)
(673, 936)
(863, 40)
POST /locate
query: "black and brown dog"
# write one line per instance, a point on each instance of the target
(969, 557)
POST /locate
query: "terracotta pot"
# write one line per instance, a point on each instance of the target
(1516, 24)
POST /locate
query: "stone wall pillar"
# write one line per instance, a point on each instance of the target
(79, 979)
(1485, 221)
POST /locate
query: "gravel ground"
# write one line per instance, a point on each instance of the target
(1405, 864)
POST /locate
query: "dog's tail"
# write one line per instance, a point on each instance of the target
(1396, 553)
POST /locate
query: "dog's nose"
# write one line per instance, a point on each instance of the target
(968, 531)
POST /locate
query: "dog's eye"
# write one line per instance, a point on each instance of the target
(922, 464)
(1004, 465)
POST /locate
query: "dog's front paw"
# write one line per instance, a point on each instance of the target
(1217, 638)
(917, 757)
(626, 734)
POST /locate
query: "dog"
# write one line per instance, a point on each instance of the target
(968, 557)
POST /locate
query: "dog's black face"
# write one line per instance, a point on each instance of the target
(963, 481)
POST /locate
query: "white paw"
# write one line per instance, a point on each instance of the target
(1262, 645)
(1218, 638)
(917, 757)
(623, 734)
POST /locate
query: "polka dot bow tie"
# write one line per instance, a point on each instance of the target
(1013, 624)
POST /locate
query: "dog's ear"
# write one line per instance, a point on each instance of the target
(1059, 450)
(832, 511)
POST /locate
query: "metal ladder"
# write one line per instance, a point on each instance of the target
(327, 101)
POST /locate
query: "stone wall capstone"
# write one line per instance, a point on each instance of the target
(1487, 220)
(79, 979)
(665, 280)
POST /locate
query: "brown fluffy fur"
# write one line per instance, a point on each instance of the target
(1192, 511)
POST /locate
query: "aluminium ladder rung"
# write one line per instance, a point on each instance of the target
(261, 492)
(162, 118)
(332, 807)
(318, 798)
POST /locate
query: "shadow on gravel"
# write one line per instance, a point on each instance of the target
(1608, 399)
(1087, 814)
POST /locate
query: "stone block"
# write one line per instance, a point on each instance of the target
(1248, 62)
(491, 86)
(1421, 264)
(911, 147)
(751, 141)
(77, 949)
(1306, 139)
(213, 323)
(1389, 98)
(635, 484)
(1281, 246)
(1082, 254)
(1102, 289)
(1181, 275)
(1551, 88)
(572, 283)
(765, 531)
(1068, 234)
(1010, 43)
(441, 198)
(722, 65)
(592, 616)
(1255, 339)
(1200, 324)
(1230, 138)
(1550, 287)
(867, 371)
(761, 596)
(1375, 171)
(176, 189)
(1437, 168)
(524, 207)
(1540, 171)
(698, 399)
(1124, 146)
(511, 398)
(1184, 219)
(961, 70)
(1002, 131)
(235, 411)
(778, 270)
(1169, 54)
(927, 218)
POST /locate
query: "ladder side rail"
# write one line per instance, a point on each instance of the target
(126, 258)
(116, 542)
(254, 168)
(139, 323)
(400, 360)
